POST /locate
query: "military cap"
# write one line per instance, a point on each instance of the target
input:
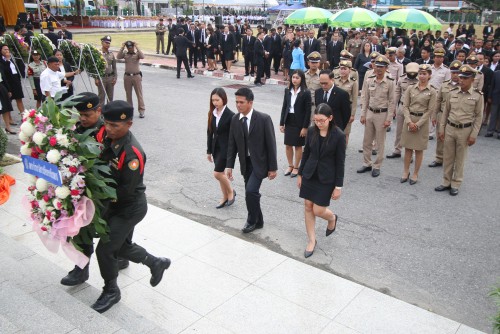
(466, 71)
(391, 50)
(345, 63)
(374, 55)
(471, 59)
(86, 101)
(344, 54)
(314, 57)
(382, 61)
(106, 39)
(439, 52)
(129, 44)
(425, 67)
(35, 53)
(117, 111)
(455, 66)
(412, 68)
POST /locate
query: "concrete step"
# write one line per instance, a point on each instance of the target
(7, 327)
(37, 280)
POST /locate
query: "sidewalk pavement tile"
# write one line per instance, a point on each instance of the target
(12, 225)
(375, 312)
(312, 288)
(257, 311)
(336, 328)
(205, 326)
(467, 330)
(238, 257)
(7, 327)
(179, 233)
(161, 310)
(198, 286)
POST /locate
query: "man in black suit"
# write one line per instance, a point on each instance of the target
(267, 42)
(426, 56)
(333, 50)
(487, 30)
(247, 49)
(193, 50)
(258, 58)
(400, 58)
(201, 41)
(52, 36)
(494, 99)
(311, 44)
(376, 47)
(276, 50)
(181, 46)
(252, 137)
(172, 31)
(335, 97)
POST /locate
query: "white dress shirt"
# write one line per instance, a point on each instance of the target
(293, 99)
(218, 117)
(50, 81)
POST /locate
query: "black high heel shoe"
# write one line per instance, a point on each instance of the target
(288, 172)
(310, 253)
(293, 174)
(403, 180)
(9, 131)
(412, 182)
(328, 231)
(231, 202)
(221, 205)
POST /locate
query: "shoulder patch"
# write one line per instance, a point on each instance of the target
(481, 73)
(454, 88)
(353, 79)
(336, 68)
(477, 90)
(390, 78)
(372, 76)
(433, 86)
(353, 69)
(402, 75)
(133, 164)
(337, 77)
(447, 80)
(445, 66)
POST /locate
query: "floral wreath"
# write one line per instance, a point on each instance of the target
(87, 57)
(70, 212)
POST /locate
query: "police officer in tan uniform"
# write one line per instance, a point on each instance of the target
(440, 74)
(351, 86)
(376, 114)
(133, 75)
(442, 96)
(396, 69)
(346, 55)
(354, 45)
(312, 76)
(460, 124)
(160, 30)
(405, 80)
(479, 78)
(106, 87)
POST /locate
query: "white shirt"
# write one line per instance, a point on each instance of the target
(12, 66)
(327, 94)
(50, 81)
(293, 99)
(493, 66)
(218, 117)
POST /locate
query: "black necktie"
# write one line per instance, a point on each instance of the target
(325, 97)
(245, 134)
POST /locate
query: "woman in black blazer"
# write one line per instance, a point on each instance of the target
(219, 123)
(413, 52)
(295, 119)
(321, 173)
(12, 77)
(228, 48)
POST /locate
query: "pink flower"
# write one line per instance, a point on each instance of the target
(64, 153)
(59, 205)
(37, 120)
(52, 141)
(31, 188)
(32, 113)
(46, 198)
(48, 214)
(34, 204)
(75, 192)
(43, 228)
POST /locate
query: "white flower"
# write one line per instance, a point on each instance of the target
(62, 192)
(28, 129)
(32, 179)
(26, 113)
(24, 138)
(42, 205)
(45, 221)
(53, 156)
(42, 185)
(38, 137)
(25, 150)
(62, 140)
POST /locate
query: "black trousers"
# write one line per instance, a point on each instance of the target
(249, 65)
(276, 62)
(184, 60)
(260, 71)
(121, 223)
(202, 53)
(193, 56)
(170, 43)
(267, 66)
(223, 61)
(252, 195)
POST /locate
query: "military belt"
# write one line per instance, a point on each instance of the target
(378, 111)
(459, 126)
(416, 113)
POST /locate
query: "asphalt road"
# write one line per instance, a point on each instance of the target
(427, 248)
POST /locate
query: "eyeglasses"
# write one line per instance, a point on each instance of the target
(320, 121)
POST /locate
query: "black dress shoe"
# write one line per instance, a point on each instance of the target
(123, 263)
(393, 155)
(231, 202)
(159, 266)
(110, 296)
(412, 182)
(328, 231)
(288, 172)
(431, 137)
(388, 129)
(453, 191)
(403, 180)
(310, 253)
(221, 205)
(442, 188)
(375, 172)
(435, 164)
(364, 169)
(360, 151)
(374, 152)
(76, 276)
(191, 76)
(249, 228)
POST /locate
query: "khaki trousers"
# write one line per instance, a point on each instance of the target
(160, 40)
(439, 143)
(400, 122)
(134, 81)
(374, 130)
(455, 153)
(106, 85)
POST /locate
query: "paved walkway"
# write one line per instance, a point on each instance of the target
(219, 283)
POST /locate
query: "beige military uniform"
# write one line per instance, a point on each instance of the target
(418, 106)
(352, 76)
(439, 75)
(160, 30)
(378, 107)
(34, 72)
(351, 87)
(478, 81)
(461, 119)
(312, 81)
(396, 70)
(109, 79)
(403, 84)
(354, 46)
(442, 96)
(133, 76)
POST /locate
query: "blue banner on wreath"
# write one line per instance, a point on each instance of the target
(42, 169)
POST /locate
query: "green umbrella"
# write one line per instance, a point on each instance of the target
(410, 19)
(354, 18)
(309, 15)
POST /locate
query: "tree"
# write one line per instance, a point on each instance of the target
(138, 7)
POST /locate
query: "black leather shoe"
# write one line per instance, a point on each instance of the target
(310, 253)
(191, 76)
(435, 164)
(388, 129)
(110, 296)
(393, 155)
(403, 179)
(123, 263)
(375, 172)
(221, 205)
(412, 182)
(364, 169)
(374, 152)
(453, 191)
(231, 202)
(328, 231)
(431, 137)
(157, 269)
(360, 151)
(76, 276)
(442, 188)
(249, 228)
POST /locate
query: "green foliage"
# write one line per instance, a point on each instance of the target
(43, 45)
(496, 319)
(3, 143)
(16, 49)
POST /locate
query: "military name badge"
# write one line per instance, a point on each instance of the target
(133, 164)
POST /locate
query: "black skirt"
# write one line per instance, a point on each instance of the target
(292, 132)
(219, 160)
(315, 191)
(16, 87)
(39, 95)
(4, 99)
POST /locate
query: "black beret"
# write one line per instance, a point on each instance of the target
(129, 44)
(86, 101)
(117, 111)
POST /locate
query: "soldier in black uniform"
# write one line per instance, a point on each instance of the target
(126, 159)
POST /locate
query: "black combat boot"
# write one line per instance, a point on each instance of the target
(76, 276)
(122, 263)
(157, 265)
(110, 296)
